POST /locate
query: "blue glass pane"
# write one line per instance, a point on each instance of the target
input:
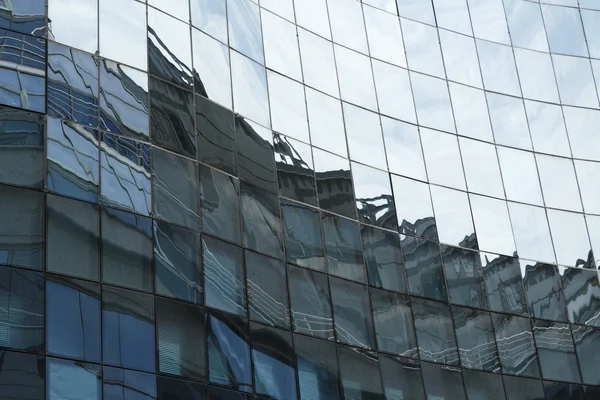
(73, 166)
(72, 380)
(72, 85)
(120, 384)
(21, 309)
(229, 352)
(175, 389)
(128, 329)
(273, 357)
(27, 16)
(73, 318)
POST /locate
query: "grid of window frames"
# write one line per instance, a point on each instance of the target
(299, 199)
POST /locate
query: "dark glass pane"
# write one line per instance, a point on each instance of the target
(464, 277)
(176, 189)
(435, 332)
(21, 309)
(23, 59)
(73, 318)
(181, 342)
(442, 382)
(256, 162)
(124, 100)
(303, 240)
(214, 129)
(523, 388)
(219, 196)
(344, 250)
(72, 85)
(21, 228)
(273, 359)
(177, 262)
(21, 376)
(261, 220)
(334, 183)
(310, 302)
(175, 389)
(475, 338)
(401, 378)
(383, 258)
(544, 292)
(172, 118)
(21, 147)
(592, 392)
(295, 173)
(267, 290)
(127, 250)
(72, 380)
(393, 323)
(587, 344)
(483, 385)
(424, 268)
(228, 351)
(582, 294)
(352, 314)
(128, 329)
(224, 276)
(125, 174)
(560, 391)
(121, 384)
(26, 17)
(317, 369)
(515, 345)
(359, 371)
(556, 351)
(503, 283)
(217, 393)
(72, 156)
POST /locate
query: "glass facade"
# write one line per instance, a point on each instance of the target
(299, 199)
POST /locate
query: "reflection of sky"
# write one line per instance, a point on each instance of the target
(74, 23)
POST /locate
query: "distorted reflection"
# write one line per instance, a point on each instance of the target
(401, 376)
(317, 368)
(476, 341)
(255, 157)
(334, 183)
(502, 276)
(26, 378)
(587, 345)
(393, 323)
(22, 64)
(443, 382)
(72, 85)
(373, 193)
(212, 74)
(383, 258)
(343, 247)
(435, 332)
(351, 313)
(424, 268)
(118, 383)
(556, 351)
(582, 294)
(414, 208)
(359, 373)
(215, 135)
(544, 291)
(288, 107)
(73, 167)
(124, 100)
(125, 174)
(25, 16)
(515, 345)
(310, 303)
(532, 235)
(219, 197)
(492, 224)
(223, 276)
(295, 172)
(571, 242)
(465, 277)
(483, 385)
(67, 378)
(169, 48)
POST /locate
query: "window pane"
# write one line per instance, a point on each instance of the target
(73, 318)
(515, 345)
(544, 292)
(556, 351)
(120, 384)
(373, 193)
(212, 75)
(295, 172)
(177, 262)
(310, 302)
(587, 344)
(249, 80)
(476, 341)
(224, 280)
(442, 382)
(273, 359)
(244, 28)
(73, 230)
(435, 333)
(128, 329)
(215, 130)
(483, 386)
(26, 17)
(582, 293)
(465, 278)
(504, 284)
(359, 370)
(219, 196)
(343, 245)
(228, 351)
(256, 161)
(72, 380)
(523, 388)
(21, 147)
(303, 240)
(413, 207)
(424, 268)
(393, 323)
(317, 369)
(353, 323)
(127, 250)
(267, 290)
(21, 377)
(21, 310)
(175, 389)
(559, 391)
(383, 258)
(401, 378)
(334, 183)
(181, 342)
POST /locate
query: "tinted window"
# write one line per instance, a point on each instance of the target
(359, 372)
(254, 148)
(393, 323)
(175, 389)
(317, 368)
(442, 382)
(424, 268)
(219, 194)
(464, 276)
(587, 344)
(303, 240)
(344, 250)
(483, 386)
(582, 294)
(515, 345)
(503, 284)
(383, 259)
(21, 377)
(435, 333)
(476, 341)
(401, 378)
(214, 129)
(353, 323)
(544, 292)
(121, 384)
(295, 173)
(556, 351)
(72, 379)
(523, 388)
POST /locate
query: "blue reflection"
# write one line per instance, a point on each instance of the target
(73, 380)
(73, 319)
(27, 16)
(229, 352)
(120, 384)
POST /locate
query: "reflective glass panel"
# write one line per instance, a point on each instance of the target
(394, 93)
(249, 80)
(121, 384)
(383, 31)
(424, 268)
(423, 48)
(72, 379)
(393, 323)
(223, 276)
(453, 217)
(401, 378)
(288, 107)
(582, 294)
(442, 158)
(295, 171)
(363, 131)
(432, 102)
(443, 382)
(523, 388)
(212, 74)
(544, 291)
(503, 283)
(509, 121)
(303, 239)
(471, 112)
(244, 29)
(453, 15)
(575, 81)
(343, 247)
(215, 134)
(571, 244)
(403, 148)
(326, 122)
(587, 344)
(318, 63)
(219, 196)
(353, 323)
(413, 207)
(489, 21)
(383, 258)
(482, 171)
(515, 345)
(564, 30)
(580, 123)
(211, 17)
(318, 374)
(547, 127)
(460, 57)
(21, 377)
(526, 25)
(435, 332)
(420, 10)
(483, 386)
(169, 388)
(355, 75)
(359, 372)
(26, 17)
(475, 338)
(536, 75)
(281, 45)
(68, 16)
(334, 183)
(312, 15)
(532, 235)
(520, 175)
(465, 277)
(256, 161)
(347, 24)
(556, 351)
(498, 67)
(492, 224)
